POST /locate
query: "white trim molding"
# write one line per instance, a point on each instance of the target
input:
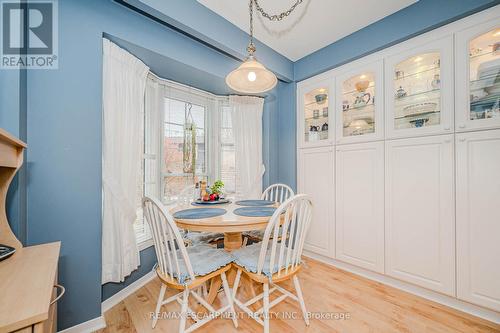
(89, 326)
(127, 291)
(410, 288)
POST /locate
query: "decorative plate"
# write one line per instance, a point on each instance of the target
(420, 108)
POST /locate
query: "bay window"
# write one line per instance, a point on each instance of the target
(188, 137)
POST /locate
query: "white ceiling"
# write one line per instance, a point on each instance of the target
(313, 25)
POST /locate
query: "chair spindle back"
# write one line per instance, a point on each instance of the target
(169, 245)
(278, 193)
(285, 244)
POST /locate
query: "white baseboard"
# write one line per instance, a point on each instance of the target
(125, 292)
(89, 326)
(449, 301)
(99, 322)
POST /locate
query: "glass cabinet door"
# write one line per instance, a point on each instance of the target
(358, 114)
(315, 114)
(478, 58)
(419, 86)
(417, 83)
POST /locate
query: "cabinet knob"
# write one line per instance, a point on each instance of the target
(461, 126)
(447, 128)
(461, 139)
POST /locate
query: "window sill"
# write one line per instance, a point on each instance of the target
(145, 244)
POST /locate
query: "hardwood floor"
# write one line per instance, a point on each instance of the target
(367, 306)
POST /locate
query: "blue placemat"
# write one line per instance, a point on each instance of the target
(199, 213)
(255, 211)
(255, 203)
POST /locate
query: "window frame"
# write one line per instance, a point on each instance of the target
(213, 157)
(184, 97)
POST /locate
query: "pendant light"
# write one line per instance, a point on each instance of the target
(251, 77)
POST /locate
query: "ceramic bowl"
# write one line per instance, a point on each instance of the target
(320, 98)
(362, 85)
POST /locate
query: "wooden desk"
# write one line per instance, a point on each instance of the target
(28, 277)
(27, 281)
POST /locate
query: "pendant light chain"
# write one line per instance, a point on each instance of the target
(276, 17)
(251, 46)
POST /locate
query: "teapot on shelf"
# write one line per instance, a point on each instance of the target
(361, 99)
(314, 133)
(400, 93)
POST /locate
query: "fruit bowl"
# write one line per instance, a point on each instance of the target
(212, 202)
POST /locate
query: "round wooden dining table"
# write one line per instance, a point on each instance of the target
(231, 225)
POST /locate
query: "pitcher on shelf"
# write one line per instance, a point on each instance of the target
(361, 97)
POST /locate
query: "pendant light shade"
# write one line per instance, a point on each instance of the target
(251, 77)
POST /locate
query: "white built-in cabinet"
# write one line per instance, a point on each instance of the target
(359, 207)
(359, 103)
(478, 217)
(477, 73)
(315, 123)
(316, 167)
(419, 89)
(400, 152)
(419, 212)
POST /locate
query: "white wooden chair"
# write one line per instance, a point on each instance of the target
(277, 193)
(273, 261)
(185, 269)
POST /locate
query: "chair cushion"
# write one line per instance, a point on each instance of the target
(204, 260)
(255, 234)
(194, 238)
(248, 258)
(259, 234)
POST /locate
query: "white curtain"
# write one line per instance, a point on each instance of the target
(124, 82)
(246, 117)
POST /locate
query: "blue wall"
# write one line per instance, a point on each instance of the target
(64, 139)
(9, 100)
(198, 21)
(286, 138)
(63, 110)
(413, 20)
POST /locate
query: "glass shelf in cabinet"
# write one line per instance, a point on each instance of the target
(488, 101)
(485, 82)
(406, 76)
(359, 108)
(415, 115)
(369, 122)
(371, 86)
(481, 54)
(317, 118)
(325, 102)
(421, 94)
